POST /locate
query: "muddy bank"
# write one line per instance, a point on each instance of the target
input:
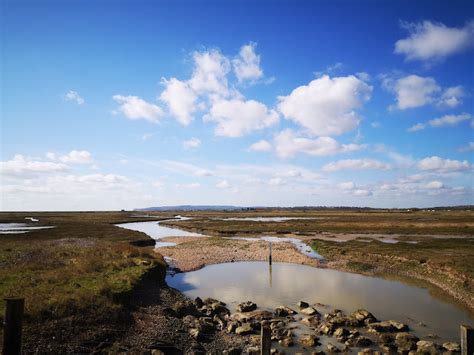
(195, 253)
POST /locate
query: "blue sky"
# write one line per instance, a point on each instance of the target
(123, 104)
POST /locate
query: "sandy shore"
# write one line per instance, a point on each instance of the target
(194, 253)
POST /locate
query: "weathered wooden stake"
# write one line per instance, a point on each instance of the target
(467, 340)
(12, 326)
(270, 253)
(266, 339)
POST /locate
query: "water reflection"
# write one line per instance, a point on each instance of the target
(286, 284)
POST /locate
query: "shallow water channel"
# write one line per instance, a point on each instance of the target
(286, 284)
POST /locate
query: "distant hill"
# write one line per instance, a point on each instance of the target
(190, 208)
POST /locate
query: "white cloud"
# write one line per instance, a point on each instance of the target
(236, 117)
(412, 90)
(362, 193)
(158, 184)
(451, 97)
(73, 157)
(438, 164)
(73, 96)
(136, 108)
(375, 124)
(434, 41)
(326, 106)
(185, 168)
(224, 184)
(356, 164)
(261, 146)
(287, 145)
(210, 72)
(21, 166)
(434, 185)
(277, 181)
(247, 64)
(417, 127)
(192, 185)
(192, 143)
(444, 121)
(180, 99)
(467, 148)
(349, 185)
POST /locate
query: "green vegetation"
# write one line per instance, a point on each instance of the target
(458, 222)
(84, 266)
(445, 263)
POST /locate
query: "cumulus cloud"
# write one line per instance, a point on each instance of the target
(136, 108)
(261, 146)
(21, 166)
(287, 145)
(349, 185)
(434, 41)
(451, 97)
(412, 91)
(356, 164)
(441, 165)
(326, 106)
(192, 143)
(247, 64)
(73, 96)
(224, 184)
(434, 185)
(237, 117)
(210, 72)
(444, 121)
(73, 157)
(467, 148)
(180, 99)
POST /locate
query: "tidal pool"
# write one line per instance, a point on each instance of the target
(19, 228)
(266, 219)
(286, 284)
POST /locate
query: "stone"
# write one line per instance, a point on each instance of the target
(405, 341)
(332, 348)
(341, 333)
(362, 341)
(246, 306)
(327, 329)
(362, 314)
(231, 327)
(451, 346)
(309, 311)
(386, 338)
(233, 351)
(303, 304)
(308, 340)
(310, 321)
(206, 325)
(184, 308)
(426, 346)
(283, 311)
(198, 302)
(286, 342)
(196, 334)
(244, 329)
(401, 327)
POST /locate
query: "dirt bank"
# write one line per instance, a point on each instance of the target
(195, 253)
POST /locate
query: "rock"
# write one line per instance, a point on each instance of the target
(341, 333)
(362, 314)
(310, 321)
(220, 323)
(309, 340)
(246, 306)
(406, 342)
(401, 327)
(386, 338)
(332, 348)
(362, 341)
(327, 329)
(198, 302)
(366, 351)
(184, 308)
(426, 346)
(309, 311)
(286, 342)
(206, 325)
(450, 346)
(389, 349)
(244, 329)
(196, 334)
(303, 304)
(218, 308)
(233, 351)
(231, 327)
(283, 311)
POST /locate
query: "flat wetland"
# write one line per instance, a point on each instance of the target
(86, 282)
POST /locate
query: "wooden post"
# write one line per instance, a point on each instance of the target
(467, 340)
(12, 326)
(270, 253)
(266, 339)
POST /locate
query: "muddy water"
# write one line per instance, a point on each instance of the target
(286, 284)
